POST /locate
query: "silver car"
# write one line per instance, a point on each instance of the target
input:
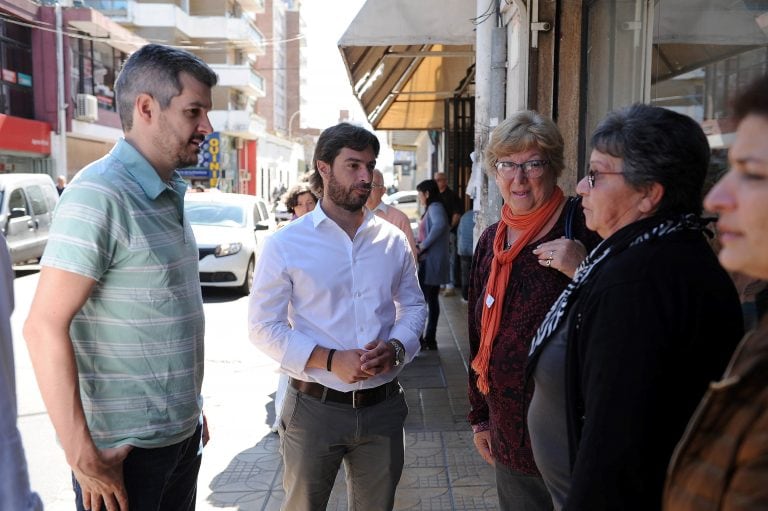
(26, 210)
(230, 230)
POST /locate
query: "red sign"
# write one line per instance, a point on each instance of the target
(9, 76)
(17, 134)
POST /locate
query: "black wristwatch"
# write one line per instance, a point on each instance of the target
(399, 351)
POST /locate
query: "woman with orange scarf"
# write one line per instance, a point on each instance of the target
(520, 266)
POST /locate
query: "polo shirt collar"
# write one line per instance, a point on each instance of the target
(144, 174)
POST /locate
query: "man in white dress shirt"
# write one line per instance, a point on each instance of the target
(389, 213)
(336, 302)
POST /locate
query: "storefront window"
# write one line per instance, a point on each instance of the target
(16, 97)
(703, 53)
(95, 67)
(690, 56)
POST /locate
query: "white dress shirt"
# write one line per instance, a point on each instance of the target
(314, 286)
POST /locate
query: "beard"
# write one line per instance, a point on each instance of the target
(180, 151)
(347, 198)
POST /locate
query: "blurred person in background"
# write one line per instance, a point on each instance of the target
(520, 266)
(465, 247)
(298, 201)
(721, 463)
(455, 208)
(389, 213)
(432, 253)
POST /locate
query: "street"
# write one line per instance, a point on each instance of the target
(237, 389)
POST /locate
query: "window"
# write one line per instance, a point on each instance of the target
(95, 69)
(16, 97)
(17, 201)
(39, 206)
(690, 56)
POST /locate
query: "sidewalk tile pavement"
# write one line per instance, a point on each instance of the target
(443, 471)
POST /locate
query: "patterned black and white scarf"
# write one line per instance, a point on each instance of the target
(611, 246)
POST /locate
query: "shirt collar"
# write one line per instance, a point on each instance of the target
(319, 216)
(144, 174)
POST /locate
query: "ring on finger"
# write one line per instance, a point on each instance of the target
(549, 262)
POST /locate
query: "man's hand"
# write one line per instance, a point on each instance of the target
(346, 365)
(482, 441)
(101, 480)
(379, 358)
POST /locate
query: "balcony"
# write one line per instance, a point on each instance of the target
(239, 31)
(241, 77)
(241, 123)
(256, 6)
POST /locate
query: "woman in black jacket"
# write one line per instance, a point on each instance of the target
(649, 319)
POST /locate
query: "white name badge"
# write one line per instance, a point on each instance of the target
(489, 301)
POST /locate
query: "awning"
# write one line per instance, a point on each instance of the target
(25, 135)
(403, 60)
(694, 33)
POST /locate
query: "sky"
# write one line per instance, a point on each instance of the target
(328, 87)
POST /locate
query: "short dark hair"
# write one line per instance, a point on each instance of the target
(332, 140)
(154, 69)
(658, 146)
(291, 197)
(430, 190)
(752, 100)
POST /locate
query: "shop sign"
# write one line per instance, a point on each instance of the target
(24, 135)
(9, 76)
(24, 79)
(195, 173)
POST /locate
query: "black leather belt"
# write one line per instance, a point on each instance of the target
(356, 398)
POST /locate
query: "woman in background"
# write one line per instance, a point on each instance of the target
(432, 255)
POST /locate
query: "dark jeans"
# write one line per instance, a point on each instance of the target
(162, 479)
(432, 297)
(466, 265)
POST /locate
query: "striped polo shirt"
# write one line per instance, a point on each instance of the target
(138, 340)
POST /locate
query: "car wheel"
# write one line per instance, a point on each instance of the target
(248, 282)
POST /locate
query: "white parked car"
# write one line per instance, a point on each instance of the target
(230, 230)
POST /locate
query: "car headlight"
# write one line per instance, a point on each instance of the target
(226, 249)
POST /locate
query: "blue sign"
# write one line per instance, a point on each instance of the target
(195, 173)
(24, 79)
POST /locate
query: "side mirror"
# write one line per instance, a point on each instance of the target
(17, 213)
(261, 226)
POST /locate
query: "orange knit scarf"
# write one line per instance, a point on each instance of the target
(530, 225)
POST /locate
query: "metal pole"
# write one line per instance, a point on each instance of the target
(62, 167)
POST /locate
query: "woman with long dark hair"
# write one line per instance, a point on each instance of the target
(432, 254)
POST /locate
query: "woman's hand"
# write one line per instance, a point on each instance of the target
(562, 254)
(482, 441)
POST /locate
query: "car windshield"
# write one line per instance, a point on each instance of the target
(210, 213)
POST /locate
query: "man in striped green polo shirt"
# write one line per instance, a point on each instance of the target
(115, 331)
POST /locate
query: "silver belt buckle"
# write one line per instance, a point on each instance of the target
(354, 399)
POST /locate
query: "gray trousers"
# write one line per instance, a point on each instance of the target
(316, 437)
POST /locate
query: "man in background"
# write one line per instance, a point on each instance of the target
(455, 209)
(387, 212)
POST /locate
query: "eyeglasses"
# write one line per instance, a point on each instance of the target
(531, 168)
(592, 176)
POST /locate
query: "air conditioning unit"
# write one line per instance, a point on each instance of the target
(87, 108)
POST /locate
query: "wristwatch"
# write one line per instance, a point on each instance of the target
(399, 351)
